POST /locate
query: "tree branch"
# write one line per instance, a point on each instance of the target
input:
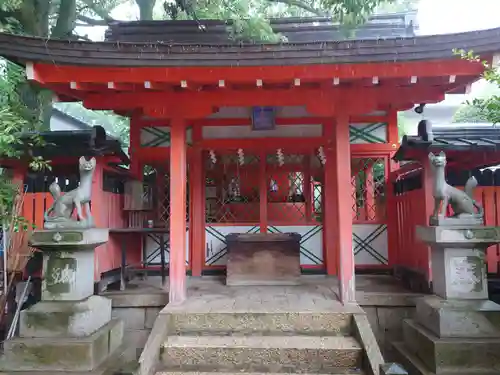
(301, 5)
(97, 10)
(93, 22)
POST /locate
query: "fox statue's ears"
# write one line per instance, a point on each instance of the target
(83, 160)
(432, 156)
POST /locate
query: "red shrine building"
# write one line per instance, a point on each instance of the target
(242, 137)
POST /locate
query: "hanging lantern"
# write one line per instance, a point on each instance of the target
(241, 156)
(280, 157)
(213, 157)
(321, 155)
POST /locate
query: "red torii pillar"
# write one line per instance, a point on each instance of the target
(178, 147)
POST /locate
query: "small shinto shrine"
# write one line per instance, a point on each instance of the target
(244, 138)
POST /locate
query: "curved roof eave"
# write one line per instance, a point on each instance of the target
(121, 54)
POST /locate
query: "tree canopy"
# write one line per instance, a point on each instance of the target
(59, 18)
(485, 107)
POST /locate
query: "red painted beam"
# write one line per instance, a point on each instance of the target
(48, 73)
(240, 121)
(278, 97)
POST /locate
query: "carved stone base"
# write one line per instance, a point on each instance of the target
(462, 220)
(69, 224)
(65, 319)
(68, 262)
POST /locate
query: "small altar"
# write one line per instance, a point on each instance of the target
(263, 259)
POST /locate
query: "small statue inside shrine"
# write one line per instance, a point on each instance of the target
(234, 189)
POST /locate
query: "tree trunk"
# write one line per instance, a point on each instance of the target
(66, 19)
(146, 9)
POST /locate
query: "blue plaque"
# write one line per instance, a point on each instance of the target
(263, 118)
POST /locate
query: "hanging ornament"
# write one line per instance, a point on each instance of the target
(321, 155)
(213, 157)
(280, 156)
(241, 156)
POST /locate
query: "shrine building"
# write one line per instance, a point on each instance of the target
(235, 137)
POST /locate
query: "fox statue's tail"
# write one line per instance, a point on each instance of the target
(470, 185)
(55, 190)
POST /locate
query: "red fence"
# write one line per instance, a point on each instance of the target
(409, 208)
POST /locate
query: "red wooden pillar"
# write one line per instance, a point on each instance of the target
(329, 206)
(99, 210)
(428, 201)
(134, 148)
(341, 196)
(391, 216)
(197, 220)
(263, 188)
(308, 189)
(177, 290)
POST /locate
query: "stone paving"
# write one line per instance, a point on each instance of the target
(316, 293)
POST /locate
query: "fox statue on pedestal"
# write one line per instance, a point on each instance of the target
(462, 202)
(59, 214)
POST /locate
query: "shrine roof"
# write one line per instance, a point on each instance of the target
(477, 142)
(74, 143)
(309, 29)
(163, 54)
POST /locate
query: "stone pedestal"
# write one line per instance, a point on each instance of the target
(458, 329)
(263, 259)
(70, 330)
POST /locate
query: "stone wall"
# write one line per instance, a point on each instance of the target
(386, 312)
(138, 312)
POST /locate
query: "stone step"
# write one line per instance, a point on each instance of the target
(347, 372)
(415, 366)
(292, 354)
(450, 354)
(261, 323)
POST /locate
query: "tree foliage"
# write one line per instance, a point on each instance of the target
(485, 109)
(15, 117)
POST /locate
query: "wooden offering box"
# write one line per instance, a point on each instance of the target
(263, 259)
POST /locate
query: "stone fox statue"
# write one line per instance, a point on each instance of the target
(462, 202)
(59, 214)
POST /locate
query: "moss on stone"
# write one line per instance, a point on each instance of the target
(100, 349)
(47, 355)
(48, 320)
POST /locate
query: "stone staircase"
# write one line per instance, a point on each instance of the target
(264, 342)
